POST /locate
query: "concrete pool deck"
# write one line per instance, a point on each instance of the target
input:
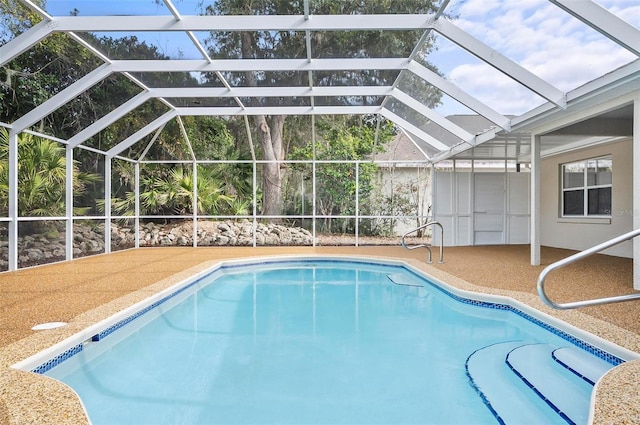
(85, 291)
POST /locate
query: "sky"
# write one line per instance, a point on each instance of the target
(533, 33)
(538, 36)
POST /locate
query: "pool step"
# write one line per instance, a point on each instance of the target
(531, 383)
(588, 367)
(502, 391)
(563, 391)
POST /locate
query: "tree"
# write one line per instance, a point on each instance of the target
(292, 44)
(42, 176)
(41, 72)
(343, 139)
(171, 192)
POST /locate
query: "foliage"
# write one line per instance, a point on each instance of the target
(343, 139)
(15, 18)
(223, 188)
(170, 192)
(211, 139)
(292, 44)
(42, 176)
(58, 61)
(404, 198)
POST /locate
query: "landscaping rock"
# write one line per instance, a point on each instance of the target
(89, 239)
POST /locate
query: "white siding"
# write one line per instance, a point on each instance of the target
(482, 208)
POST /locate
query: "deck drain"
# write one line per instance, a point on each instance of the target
(50, 325)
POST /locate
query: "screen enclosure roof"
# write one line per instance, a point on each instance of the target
(498, 67)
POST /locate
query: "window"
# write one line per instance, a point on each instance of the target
(586, 188)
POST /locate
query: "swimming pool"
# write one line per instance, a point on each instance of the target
(320, 341)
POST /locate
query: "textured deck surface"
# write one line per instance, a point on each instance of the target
(83, 291)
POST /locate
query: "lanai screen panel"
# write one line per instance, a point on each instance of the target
(492, 58)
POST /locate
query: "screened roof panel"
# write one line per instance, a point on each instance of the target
(537, 35)
(361, 44)
(317, 7)
(134, 45)
(275, 101)
(483, 81)
(425, 147)
(346, 77)
(493, 57)
(189, 7)
(178, 79)
(418, 88)
(184, 102)
(621, 8)
(16, 20)
(88, 109)
(28, 85)
(272, 44)
(348, 100)
(106, 8)
(127, 125)
(421, 123)
(268, 78)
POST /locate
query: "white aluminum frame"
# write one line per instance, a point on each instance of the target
(587, 11)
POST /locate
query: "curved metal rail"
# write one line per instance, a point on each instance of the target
(428, 246)
(579, 256)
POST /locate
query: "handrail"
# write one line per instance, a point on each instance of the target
(430, 223)
(579, 256)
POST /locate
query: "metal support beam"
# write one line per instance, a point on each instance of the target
(636, 191)
(374, 22)
(68, 237)
(270, 91)
(13, 200)
(535, 200)
(145, 131)
(279, 110)
(500, 62)
(413, 129)
(240, 65)
(61, 98)
(430, 114)
(194, 203)
(24, 42)
(107, 204)
(109, 119)
(136, 225)
(606, 23)
(460, 95)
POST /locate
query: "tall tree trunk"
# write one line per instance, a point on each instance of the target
(269, 131)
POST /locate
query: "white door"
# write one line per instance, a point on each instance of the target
(489, 208)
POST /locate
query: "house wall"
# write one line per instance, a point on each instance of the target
(583, 233)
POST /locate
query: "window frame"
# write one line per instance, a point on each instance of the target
(585, 187)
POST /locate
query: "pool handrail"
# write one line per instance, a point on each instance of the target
(579, 256)
(428, 246)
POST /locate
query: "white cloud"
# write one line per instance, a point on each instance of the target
(541, 38)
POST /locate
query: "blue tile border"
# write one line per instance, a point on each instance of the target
(55, 361)
(610, 358)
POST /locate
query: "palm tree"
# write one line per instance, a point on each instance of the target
(41, 177)
(172, 193)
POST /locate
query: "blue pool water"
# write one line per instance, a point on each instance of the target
(316, 342)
